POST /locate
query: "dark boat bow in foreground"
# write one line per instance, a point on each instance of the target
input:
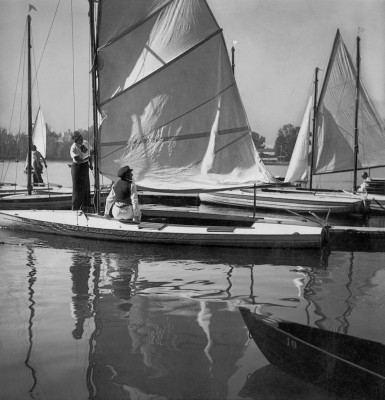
(343, 364)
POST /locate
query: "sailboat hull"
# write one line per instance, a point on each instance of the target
(91, 226)
(39, 201)
(288, 200)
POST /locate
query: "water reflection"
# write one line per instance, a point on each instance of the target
(269, 382)
(151, 321)
(81, 299)
(31, 280)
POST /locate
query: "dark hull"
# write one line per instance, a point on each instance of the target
(346, 365)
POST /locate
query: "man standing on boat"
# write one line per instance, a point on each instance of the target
(122, 202)
(37, 165)
(81, 161)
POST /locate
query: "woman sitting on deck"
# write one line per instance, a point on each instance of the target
(365, 184)
(122, 202)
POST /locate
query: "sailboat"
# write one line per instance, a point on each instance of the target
(350, 135)
(32, 197)
(168, 106)
(343, 110)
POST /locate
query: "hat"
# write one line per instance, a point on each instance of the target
(364, 175)
(76, 135)
(123, 171)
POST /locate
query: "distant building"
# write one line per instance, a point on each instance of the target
(268, 155)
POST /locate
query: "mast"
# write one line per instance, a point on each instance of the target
(95, 112)
(29, 166)
(233, 58)
(356, 115)
(314, 125)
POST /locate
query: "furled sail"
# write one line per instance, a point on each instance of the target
(334, 141)
(170, 106)
(298, 169)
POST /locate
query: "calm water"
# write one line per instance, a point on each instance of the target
(95, 320)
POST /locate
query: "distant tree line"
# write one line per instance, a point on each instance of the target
(14, 147)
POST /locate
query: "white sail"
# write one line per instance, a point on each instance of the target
(298, 169)
(170, 104)
(39, 134)
(334, 141)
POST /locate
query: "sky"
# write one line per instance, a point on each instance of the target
(279, 45)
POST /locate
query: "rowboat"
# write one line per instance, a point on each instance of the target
(91, 226)
(347, 365)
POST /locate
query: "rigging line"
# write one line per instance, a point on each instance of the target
(22, 55)
(73, 62)
(46, 41)
(41, 57)
(35, 78)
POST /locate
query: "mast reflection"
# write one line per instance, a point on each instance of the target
(31, 280)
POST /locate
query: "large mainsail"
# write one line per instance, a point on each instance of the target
(169, 102)
(334, 141)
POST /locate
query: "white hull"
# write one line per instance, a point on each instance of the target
(91, 226)
(288, 200)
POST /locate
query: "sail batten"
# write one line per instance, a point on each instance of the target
(165, 65)
(190, 136)
(136, 25)
(170, 105)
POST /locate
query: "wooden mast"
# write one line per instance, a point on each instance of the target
(356, 130)
(29, 166)
(233, 58)
(314, 125)
(95, 112)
